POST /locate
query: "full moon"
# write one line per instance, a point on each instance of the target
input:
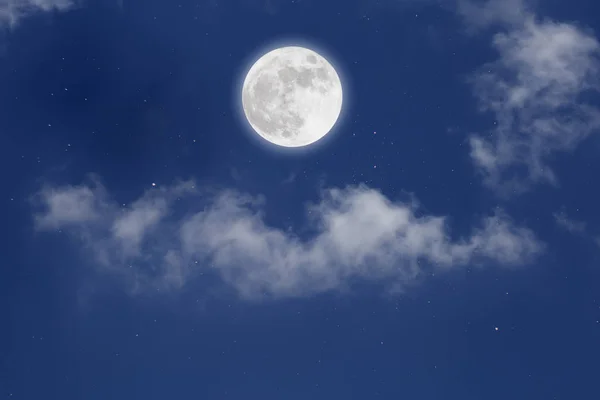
(292, 96)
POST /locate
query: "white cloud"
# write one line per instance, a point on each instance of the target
(536, 90)
(11, 11)
(358, 234)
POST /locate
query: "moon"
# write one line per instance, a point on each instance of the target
(292, 96)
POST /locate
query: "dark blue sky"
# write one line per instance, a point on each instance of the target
(442, 242)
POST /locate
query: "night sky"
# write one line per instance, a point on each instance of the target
(441, 242)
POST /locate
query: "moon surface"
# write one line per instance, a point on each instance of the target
(292, 96)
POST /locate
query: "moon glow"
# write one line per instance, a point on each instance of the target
(292, 96)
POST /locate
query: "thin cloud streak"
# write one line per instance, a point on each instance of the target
(359, 235)
(480, 15)
(569, 224)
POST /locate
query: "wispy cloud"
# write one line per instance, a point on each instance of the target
(575, 227)
(536, 90)
(12, 11)
(291, 178)
(358, 234)
(569, 224)
(480, 15)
